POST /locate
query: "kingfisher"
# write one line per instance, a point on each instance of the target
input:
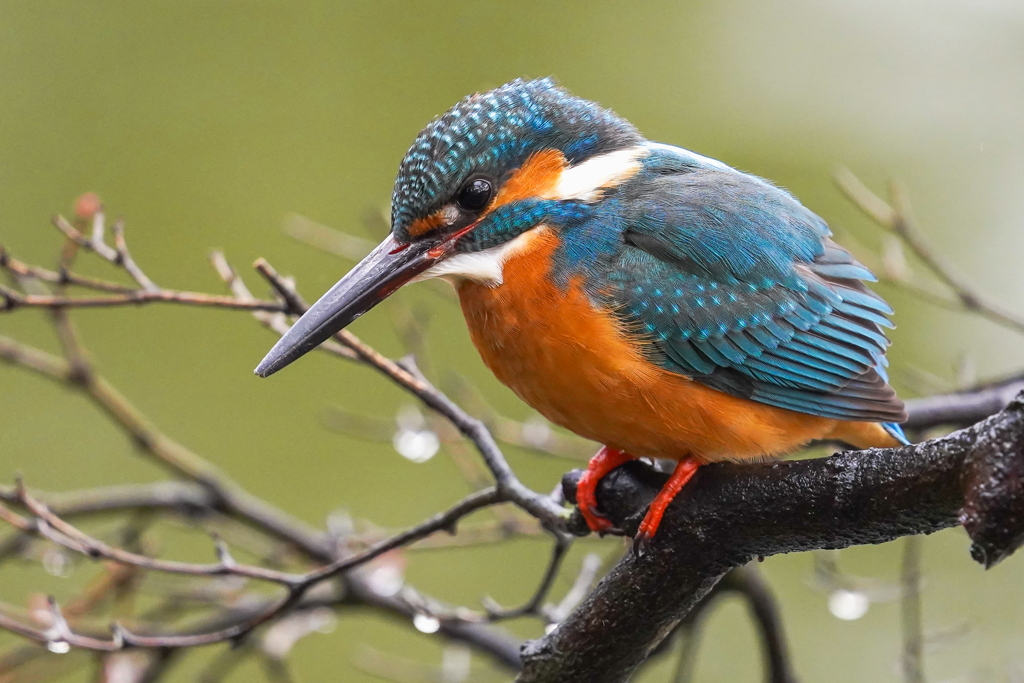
(648, 298)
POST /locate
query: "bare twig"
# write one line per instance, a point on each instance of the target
(534, 604)
(589, 569)
(120, 295)
(63, 277)
(298, 584)
(326, 238)
(124, 259)
(898, 219)
(962, 408)
(748, 582)
(910, 611)
(16, 299)
(53, 528)
(227, 497)
(276, 321)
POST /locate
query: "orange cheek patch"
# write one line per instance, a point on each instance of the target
(422, 226)
(537, 176)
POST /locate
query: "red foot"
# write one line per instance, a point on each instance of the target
(606, 460)
(684, 471)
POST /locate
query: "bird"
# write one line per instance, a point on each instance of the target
(656, 301)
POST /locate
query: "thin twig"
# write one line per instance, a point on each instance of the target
(534, 604)
(137, 297)
(19, 269)
(124, 258)
(764, 609)
(298, 585)
(53, 528)
(275, 321)
(588, 572)
(148, 291)
(898, 219)
(910, 611)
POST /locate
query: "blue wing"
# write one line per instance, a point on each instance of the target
(738, 285)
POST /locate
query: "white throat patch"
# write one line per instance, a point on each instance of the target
(485, 266)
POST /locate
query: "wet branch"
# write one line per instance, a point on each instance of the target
(730, 514)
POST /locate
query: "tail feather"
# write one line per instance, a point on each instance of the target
(869, 434)
(896, 432)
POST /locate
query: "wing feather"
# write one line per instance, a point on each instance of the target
(739, 286)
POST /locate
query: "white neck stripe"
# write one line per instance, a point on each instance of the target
(586, 180)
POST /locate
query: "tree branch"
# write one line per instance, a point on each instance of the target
(748, 582)
(962, 408)
(731, 513)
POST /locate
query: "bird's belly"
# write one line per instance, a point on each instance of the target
(571, 362)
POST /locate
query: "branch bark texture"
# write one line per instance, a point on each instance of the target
(731, 513)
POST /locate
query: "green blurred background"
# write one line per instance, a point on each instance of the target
(206, 124)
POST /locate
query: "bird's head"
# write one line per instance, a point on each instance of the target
(489, 169)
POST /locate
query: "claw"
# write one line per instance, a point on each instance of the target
(641, 542)
(683, 472)
(601, 464)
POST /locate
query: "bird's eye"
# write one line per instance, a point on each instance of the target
(475, 195)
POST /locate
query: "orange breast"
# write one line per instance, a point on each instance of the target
(572, 363)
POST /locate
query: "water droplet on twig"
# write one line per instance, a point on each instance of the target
(425, 623)
(386, 579)
(57, 563)
(536, 431)
(848, 605)
(416, 445)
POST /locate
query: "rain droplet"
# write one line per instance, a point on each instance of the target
(417, 446)
(425, 623)
(340, 524)
(536, 431)
(386, 579)
(59, 647)
(57, 563)
(848, 605)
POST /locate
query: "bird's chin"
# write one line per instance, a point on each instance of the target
(484, 267)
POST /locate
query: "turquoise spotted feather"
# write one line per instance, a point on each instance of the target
(739, 286)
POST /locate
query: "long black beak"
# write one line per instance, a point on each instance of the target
(375, 278)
